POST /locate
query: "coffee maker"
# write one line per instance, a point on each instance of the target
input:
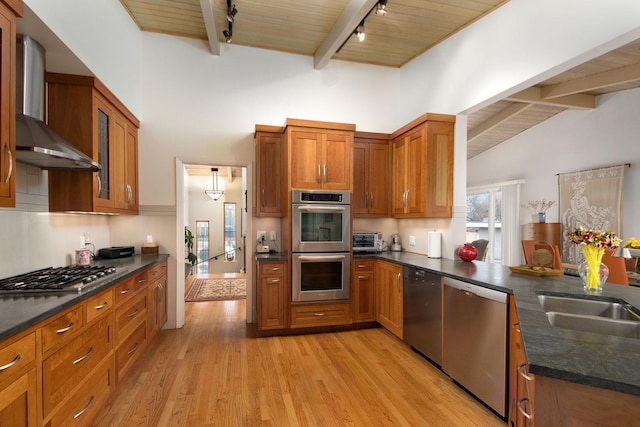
(396, 245)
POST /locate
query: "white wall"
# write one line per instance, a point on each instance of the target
(570, 141)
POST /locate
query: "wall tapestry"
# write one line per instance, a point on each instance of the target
(591, 199)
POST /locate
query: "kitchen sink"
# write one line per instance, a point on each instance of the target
(602, 316)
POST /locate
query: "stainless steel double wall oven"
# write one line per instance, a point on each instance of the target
(320, 245)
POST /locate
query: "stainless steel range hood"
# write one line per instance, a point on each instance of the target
(36, 143)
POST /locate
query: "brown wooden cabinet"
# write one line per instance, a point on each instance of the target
(549, 232)
(388, 294)
(273, 295)
(304, 315)
(363, 290)
(89, 116)
(8, 12)
(270, 176)
(157, 297)
(521, 382)
(18, 400)
(422, 166)
(320, 155)
(371, 170)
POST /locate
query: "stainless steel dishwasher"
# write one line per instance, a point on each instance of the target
(475, 341)
(422, 318)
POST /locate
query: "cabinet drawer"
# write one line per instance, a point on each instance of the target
(272, 268)
(129, 315)
(81, 408)
(98, 305)
(124, 290)
(363, 264)
(17, 357)
(64, 369)
(157, 271)
(322, 314)
(62, 329)
(130, 349)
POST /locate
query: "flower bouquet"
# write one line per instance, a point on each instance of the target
(633, 245)
(593, 243)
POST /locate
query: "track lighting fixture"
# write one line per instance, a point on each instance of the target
(231, 13)
(360, 31)
(215, 194)
(227, 36)
(381, 8)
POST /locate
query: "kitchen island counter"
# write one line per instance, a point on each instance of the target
(587, 358)
(19, 312)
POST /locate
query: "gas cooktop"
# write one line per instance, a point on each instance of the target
(59, 279)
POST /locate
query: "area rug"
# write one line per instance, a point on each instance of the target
(217, 290)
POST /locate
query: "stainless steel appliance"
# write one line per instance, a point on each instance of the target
(475, 341)
(60, 279)
(320, 276)
(320, 245)
(367, 242)
(321, 221)
(396, 244)
(422, 312)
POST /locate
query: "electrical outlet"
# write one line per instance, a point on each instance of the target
(412, 240)
(261, 236)
(272, 235)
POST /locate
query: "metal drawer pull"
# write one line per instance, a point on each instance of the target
(133, 349)
(516, 327)
(362, 277)
(522, 411)
(140, 282)
(125, 291)
(10, 155)
(275, 269)
(68, 328)
(101, 306)
(319, 314)
(522, 374)
(10, 364)
(86, 408)
(273, 281)
(133, 313)
(80, 359)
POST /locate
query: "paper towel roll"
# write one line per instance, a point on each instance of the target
(434, 244)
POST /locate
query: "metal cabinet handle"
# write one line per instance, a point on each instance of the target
(161, 290)
(10, 364)
(273, 281)
(319, 177)
(522, 411)
(522, 374)
(398, 281)
(366, 200)
(319, 314)
(325, 173)
(101, 306)
(362, 277)
(10, 155)
(133, 349)
(80, 359)
(275, 269)
(129, 193)
(68, 328)
(86, 408)
(142, 282)
(125, 291)
(99, 184)
(370, 199)
(262, 197)
(133, 313)
(516, 327)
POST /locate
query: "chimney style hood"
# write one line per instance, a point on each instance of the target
(36, 143)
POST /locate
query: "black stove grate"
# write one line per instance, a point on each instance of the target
(58, 279)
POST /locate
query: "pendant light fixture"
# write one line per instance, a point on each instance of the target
(215, 194)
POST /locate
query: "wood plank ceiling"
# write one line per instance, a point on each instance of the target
(325, 29)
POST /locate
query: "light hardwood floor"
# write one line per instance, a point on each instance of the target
(214, 372)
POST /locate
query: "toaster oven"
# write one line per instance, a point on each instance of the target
(367, 242)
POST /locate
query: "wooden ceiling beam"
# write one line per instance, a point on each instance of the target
(354, 12)
(533, 95)
(498, 118)
(595, 81)
(210, 25)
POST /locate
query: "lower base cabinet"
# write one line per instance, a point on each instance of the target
(18, 401)
(273, 295)
(389, 296)
(363, 290)
(308, 315)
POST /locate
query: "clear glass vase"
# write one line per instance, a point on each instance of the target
(593, 278)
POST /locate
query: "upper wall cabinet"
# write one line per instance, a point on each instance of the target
(270, 176)
(422, 166)
(88, 115)
(8, 12)
(320, 155)
(371, 167)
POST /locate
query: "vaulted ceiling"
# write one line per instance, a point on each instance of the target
(325, 29)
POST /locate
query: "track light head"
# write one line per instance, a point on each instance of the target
(227, 36)
(231, 13)
(359, 32)
(381, 8)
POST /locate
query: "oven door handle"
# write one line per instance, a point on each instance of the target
(311, 208)
(321, 257)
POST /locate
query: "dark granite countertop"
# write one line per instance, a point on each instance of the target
(19, 312)
(588, 358)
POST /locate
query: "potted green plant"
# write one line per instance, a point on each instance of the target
(191, 257)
